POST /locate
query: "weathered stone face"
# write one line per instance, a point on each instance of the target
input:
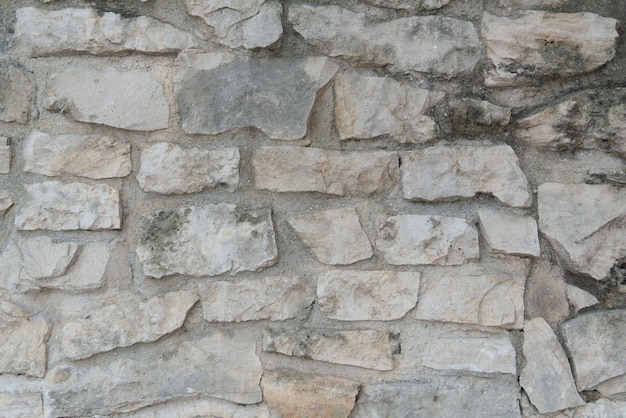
(546, 293)
(15, 95)
(27, 404)
(209, 407)
(580, 299)
(6, 201)
(5, 156)
(509, 234)
(411, 5)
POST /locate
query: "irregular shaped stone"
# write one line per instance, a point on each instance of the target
(461, 171)
(483, 294)
(298, 169)
(426, 44)
(169, 169)
(295, 394)
(425, 239)
(579, 298)
(537, 44)
(334, 236)
(545, 295)
(272, 298)
(93, 156)
(41, 33)
(195, 408)
(595, 342)
(612, 386)
(206, 241)
(585, 224)
(131, 100)
(367, 107)
(219, 92)
(18, 405)
(127, 322)
(221, 365)
(15, 95)
(250, 24)
(356, 295)
(5, 155)
(509, 234)
(365, 348)
(411, 5)
(56, 206)
(471, 116)
(602, 408)
(6, 201)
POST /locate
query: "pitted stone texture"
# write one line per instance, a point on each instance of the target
(602, 408)
(426, 239)
(6, 201)
(461, 171)
(124, 323)
(547, 377)
(410, 5)
(5, 155)
(356, 295)
(470, 116)
(580, 299)
(271, 298)
(537, 44)
(298, 169)
(219, 92)
(56, 206)
(365, 348)
(21, 405)
(586, 225)
(15, 95)
(334, 236)
(404, 44)
(595, 342)
(483, 294)
(294, 394)
(546, 292)
(206, 241)
(169, 169)
(248, 24)
(367, 107)
(93, 156)
(131, 100)
(40, 33)
(221, 365)
(509, 234)
(196, 408)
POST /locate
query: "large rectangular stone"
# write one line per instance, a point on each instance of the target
(21, 405)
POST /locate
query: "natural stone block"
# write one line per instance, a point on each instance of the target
(23, 404)
(471, 116)
(537, 44)
(410, 5)
(426, 44)
(509, 234)
(579, 298)
(93, 156)
(425, 239)
(131, 100)
(219, 92)
(298, 169)
(6, 201)
(196, 408)
(545, 295)
(169, 169)
(56, 206)
(611, 387)
(15, 95)
(461, 171)
(602, 408)
(5, 155)
(334, 236)
(206, 241)
(353, 295)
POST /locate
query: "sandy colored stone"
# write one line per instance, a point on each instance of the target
(5, 155)
(411, 5)
(21, 405)
(196, 408)
(6, 201)
(546, 292)
(471, 116)
(426, 239)
(579, 298)
(334, 236)
(15, 95)
(299, 169)
(509, 234)
(169, 169)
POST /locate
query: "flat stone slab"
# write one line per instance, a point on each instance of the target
(219, 92)
(16, 95)
(580, 299)
(5, 155)
(412, 5)
(602, 408)
(195, 408)
(546, 292)
(509, 234)
(24, 404)
(6, 201)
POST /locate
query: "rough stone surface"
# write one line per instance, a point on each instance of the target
(290, 169)
(21, 405)
(73, 30)
(251, 24)
(169, 169)
(585, 224)
(595, 342)
(195, 408)
(6, 201)
(404, 44)
(540, 43)
(5, 155)
(410, 5)
(545, 295)
(579, 298)
(93, 156)
(296, 394)
(351, 295)
(365, 348)
(614, 386)
(509, 234)
(471, 116)
(334, 236)
(274, 298)
(219, 92)
(131, 100)
(602, 408)
(424, 239)
(462, 171)
(56, 206)
(206, 241)
(15, 95)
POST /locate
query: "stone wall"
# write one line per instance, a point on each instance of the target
(377, 208)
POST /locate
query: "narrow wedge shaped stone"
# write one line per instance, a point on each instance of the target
(5, 155)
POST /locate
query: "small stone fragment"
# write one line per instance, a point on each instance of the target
(21, 405)
(471, 116)
(5, 155)
(169, 169)
(612, 386)
(297, 169)
(270, 298)
(366, 348)
(334, 236)
(56, 206)
(509, 234)
(15, 95)
(6, 201)
(356, 295)
(461, 171)
(425, 239)
(579, 298)
(411, 5)
(93, 156)
(602, 408)
(545, 295)
(197, 408)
